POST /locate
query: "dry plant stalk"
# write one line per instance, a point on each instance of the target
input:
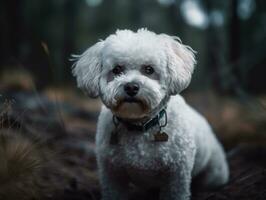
(20, 165)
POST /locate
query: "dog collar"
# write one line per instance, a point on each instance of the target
(143, 126)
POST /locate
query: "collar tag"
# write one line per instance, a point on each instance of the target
(160, 137)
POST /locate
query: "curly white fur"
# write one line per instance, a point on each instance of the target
(191, 149)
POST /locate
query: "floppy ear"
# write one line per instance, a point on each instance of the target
(87, 70)
(181, 61)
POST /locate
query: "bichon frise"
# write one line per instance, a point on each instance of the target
(147, 135)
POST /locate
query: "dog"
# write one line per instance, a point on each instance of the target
(147, 136)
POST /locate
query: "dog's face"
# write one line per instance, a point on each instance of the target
(133, 72)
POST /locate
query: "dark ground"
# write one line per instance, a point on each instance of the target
(60, 129)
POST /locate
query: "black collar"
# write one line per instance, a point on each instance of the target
(143, 126)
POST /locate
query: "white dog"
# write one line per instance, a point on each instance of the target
(147, 135)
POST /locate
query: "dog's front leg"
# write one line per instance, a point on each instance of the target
(114, 185)
(178, 187)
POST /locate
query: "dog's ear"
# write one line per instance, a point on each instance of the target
(87, 70)
(181, 61)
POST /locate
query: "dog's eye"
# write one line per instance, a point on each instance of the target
(118, 69)
(148, 69)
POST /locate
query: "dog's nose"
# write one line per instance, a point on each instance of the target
(131, 89)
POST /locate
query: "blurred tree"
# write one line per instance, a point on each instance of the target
(70, 13)
(13, 28)
(215, 49)
(234, 48)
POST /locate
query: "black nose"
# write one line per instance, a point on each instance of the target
(131, 89)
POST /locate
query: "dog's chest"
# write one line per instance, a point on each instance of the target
(139, 151)
(146, 162)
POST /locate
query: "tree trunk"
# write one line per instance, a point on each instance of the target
(234, 48)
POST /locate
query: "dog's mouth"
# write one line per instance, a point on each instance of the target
(131, 100)
(130, 107)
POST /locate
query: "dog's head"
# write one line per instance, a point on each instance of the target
(133, 72)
